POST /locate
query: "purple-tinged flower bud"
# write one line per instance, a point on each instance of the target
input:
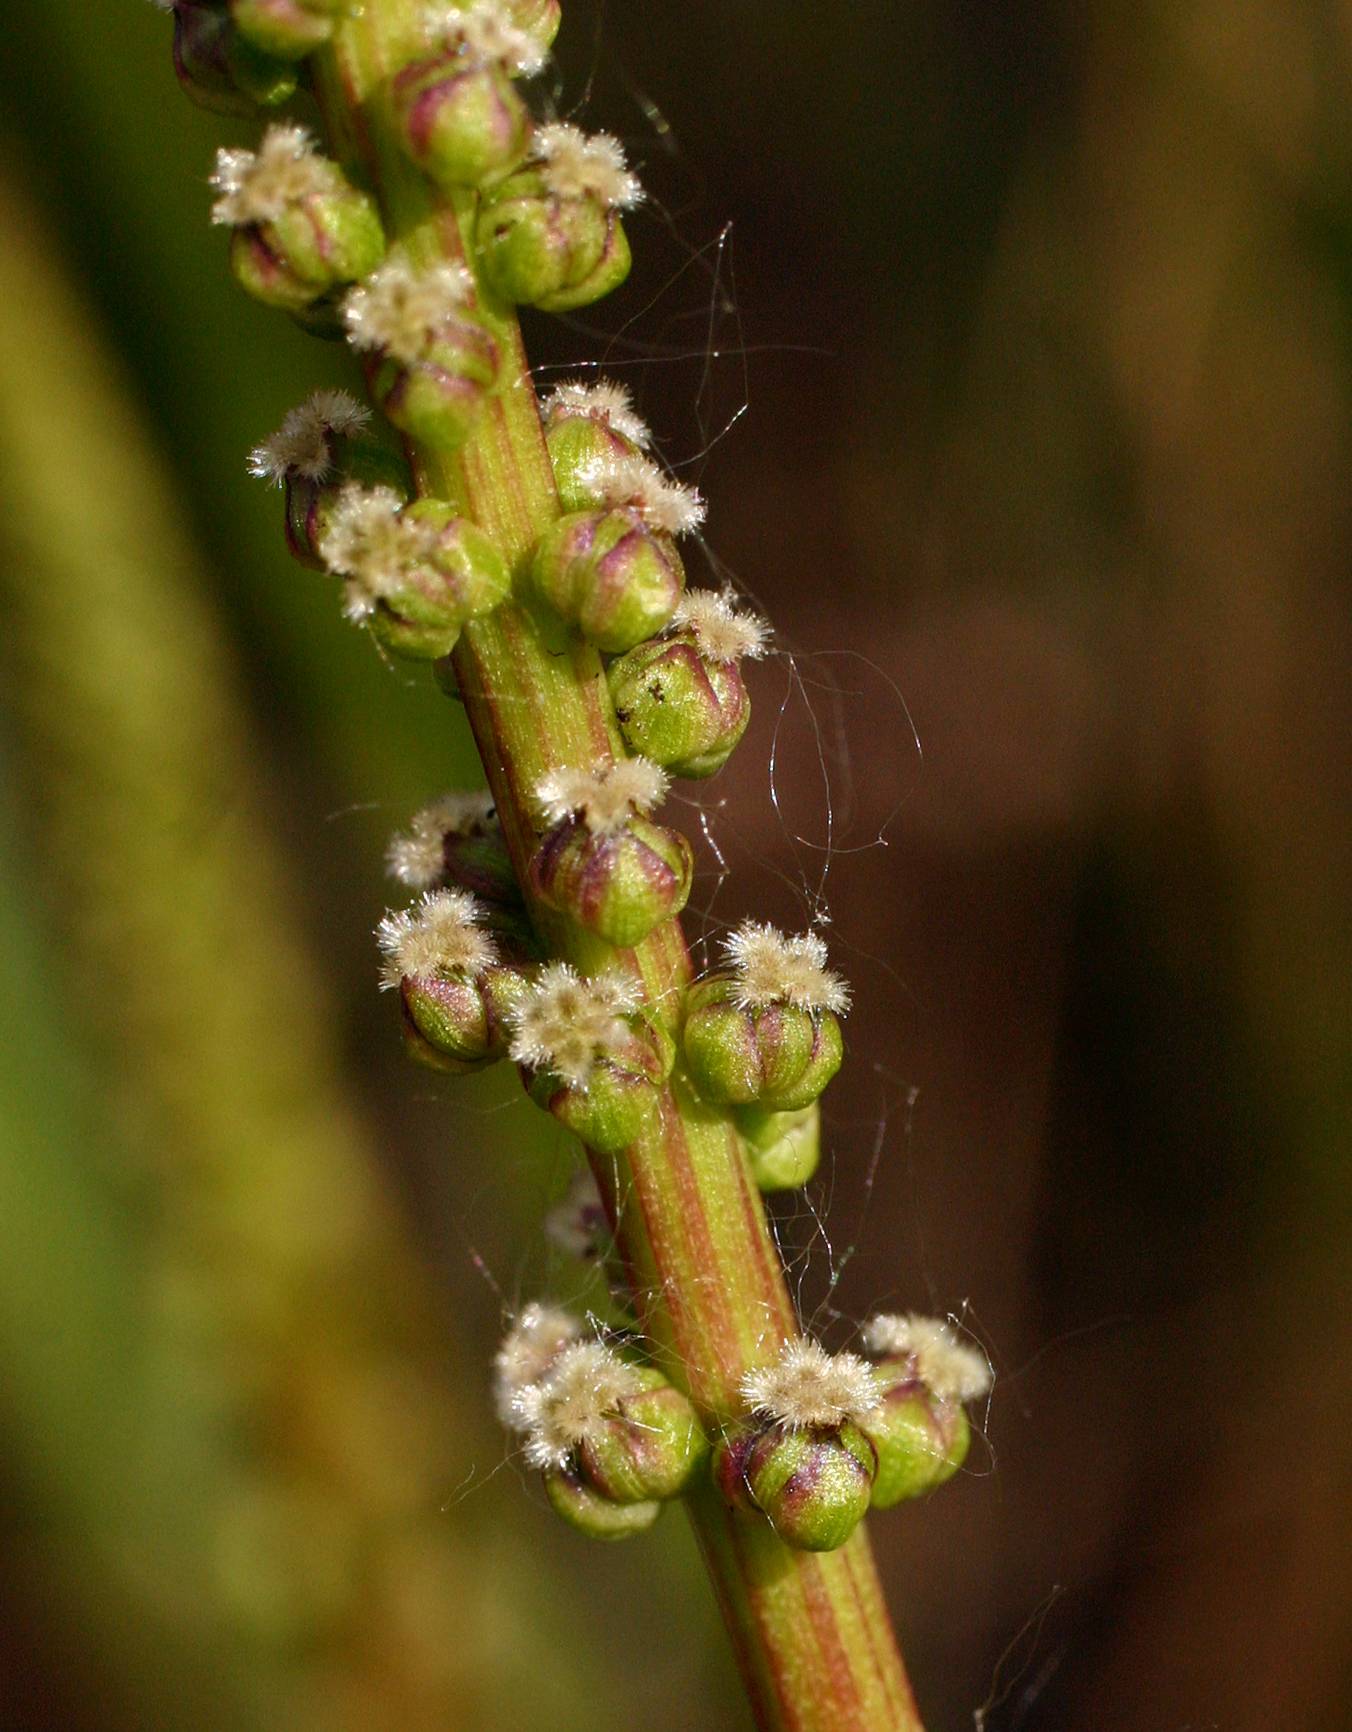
(613, 571)
(415, 572)
(290, 29)
(588, 1056)
(782, 1148)
(802, 1458)
(456, 996)
(920, 1427)
(457, 841)
(765, 1033)
(550, 236)
(430, 361)
(601, 861)
(320, 445)
(623, 1428)
(218, 68)
(457, 111)
(590, 1513)
(680, 698)
(586, 426)
(300, 227)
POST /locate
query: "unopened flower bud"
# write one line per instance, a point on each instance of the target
(765, 1033)
(586, 426)
(593, 1515)
(782, 1148)
(457, 111)
(602, 861)
(803, 1458)
(458, 841)
(680, 699)
(415, 572)
(550, 236)
(290, 29)
(588, 1057)
(300, 227)
(221, 70)
(455, 995)
(430, 361)
(920, 1428)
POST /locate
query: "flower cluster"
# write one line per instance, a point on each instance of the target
(568, 1023)
(400, 308)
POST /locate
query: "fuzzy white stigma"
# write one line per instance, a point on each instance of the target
(368, 539)
(486, 35)
(440, 934)
(769, 967)
(303, 444)
(571, 1403)
(528, 1350)
(417, 856)
(626, 479)
(723, 634)
(565, 1022)
(399, 307)
(577, 1224)
(577, 165)
(950, 1367)
(606, 798)
(807, 1386)
(603, 400)
(257, 186)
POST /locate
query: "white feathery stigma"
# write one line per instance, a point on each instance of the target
(399, 306)
(604, 798)
(602, 400)
(572, 1402)
(440, 934)
(950, 1367)
(722, 633)
(486, 36)
(576, 164)
(566, 1022)
(528, 1349)
(627, 479)
(769, 967)
(417, 856)
(577, 1223)
(368, 539)
(807, 1386)
(303, 444)
(257, 186)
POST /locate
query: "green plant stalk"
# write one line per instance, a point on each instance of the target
(811, 1631)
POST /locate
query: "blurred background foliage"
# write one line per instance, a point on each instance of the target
(1021, 388)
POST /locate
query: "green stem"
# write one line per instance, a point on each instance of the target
(811, 1631)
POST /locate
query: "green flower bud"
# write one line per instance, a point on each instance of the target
(219, 69)
(647, 1447)
(539, 19)
(550, 236)
(812, 1484)
(588, 1056)
(300, 227)
(415, 573)
(602, 861)
(783, 1148)
(675, 707)
(431, 362)
(920, 1427)
(592, 1514)
(456, 997)
(609, 574)
(776, 1056)
(588, 429)
(290, 29)
(457, 111)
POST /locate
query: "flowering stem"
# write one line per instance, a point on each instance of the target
(811, 1630)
